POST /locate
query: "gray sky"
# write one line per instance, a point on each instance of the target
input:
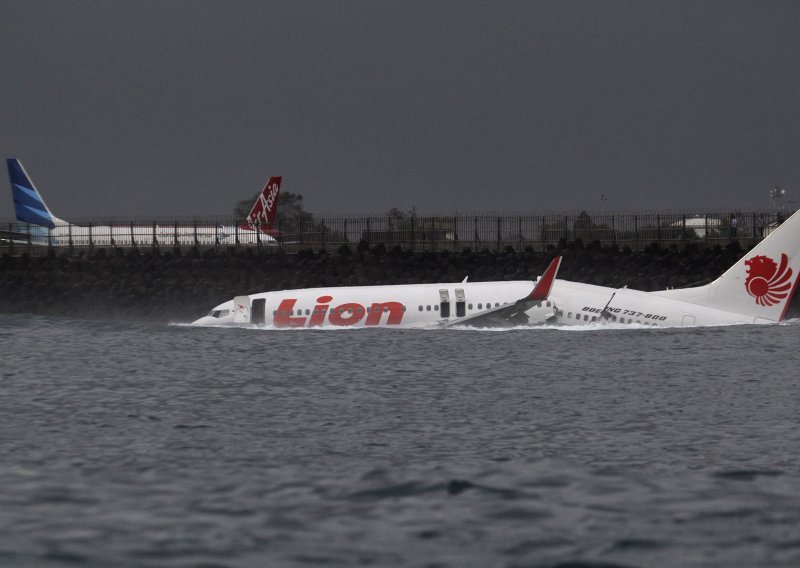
(175, 108)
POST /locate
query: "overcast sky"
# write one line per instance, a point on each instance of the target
(176, 108)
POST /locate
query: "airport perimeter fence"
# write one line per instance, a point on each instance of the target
(417, 233)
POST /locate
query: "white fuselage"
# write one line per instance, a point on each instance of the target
(68, 234)
(421, 305)
(579, 304)
(407, 305)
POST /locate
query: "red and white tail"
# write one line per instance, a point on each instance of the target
(761, 284)
(262, 215)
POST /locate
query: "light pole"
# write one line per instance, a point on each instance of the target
(776, 196)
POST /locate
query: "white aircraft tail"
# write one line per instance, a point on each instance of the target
(761, 284)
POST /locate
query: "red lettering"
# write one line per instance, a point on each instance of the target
(346, 314)
(395, 310)
(318, 317)
(282, 318)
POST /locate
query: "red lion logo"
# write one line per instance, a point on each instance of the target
(767, 282)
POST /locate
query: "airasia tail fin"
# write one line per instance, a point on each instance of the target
(761, 284)
(262, 215)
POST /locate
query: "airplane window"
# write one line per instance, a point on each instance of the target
(224, 313)
(420, 308)
(547, 303)
(569, 315)
(291, 312)
(308, 311)
(594, 318)
(497, 304)
(480, 306)
(585, 318)
(470, 306)
(274, 313)
(404, 308)
(428, 308)
(436, 307)
(577, 316)
(637, 321)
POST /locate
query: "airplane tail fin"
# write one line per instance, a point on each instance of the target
(262, 215)
(28, 204)
(761, 284)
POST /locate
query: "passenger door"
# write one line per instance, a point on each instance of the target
(444, 303)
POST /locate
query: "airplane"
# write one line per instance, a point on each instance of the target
(756, 290)
(409, 305)
(38, 226)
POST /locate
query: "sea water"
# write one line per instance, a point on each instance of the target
(126, 444)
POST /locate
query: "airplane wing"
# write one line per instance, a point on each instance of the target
(514, 314)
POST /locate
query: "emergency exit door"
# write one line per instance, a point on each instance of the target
(444, 303)
(461, 305)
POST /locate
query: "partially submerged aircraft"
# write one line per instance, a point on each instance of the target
(408, 305)
(756, 290)
(38, 226)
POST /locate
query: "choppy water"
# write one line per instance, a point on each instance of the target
(132, 445)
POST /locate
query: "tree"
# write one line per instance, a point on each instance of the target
(290, 216)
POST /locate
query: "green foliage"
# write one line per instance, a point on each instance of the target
(291, 214)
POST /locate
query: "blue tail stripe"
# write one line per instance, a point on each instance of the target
(26, 196)
(35, 217)
(28, 204)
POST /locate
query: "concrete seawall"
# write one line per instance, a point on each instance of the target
(175, 286)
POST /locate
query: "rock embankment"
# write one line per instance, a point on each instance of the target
(180, 286)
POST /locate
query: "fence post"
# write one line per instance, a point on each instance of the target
(613, 229)
(413, 233)
(658, 229)
(636, 230)
(195, 234)
(133, 239)
(705, 224)
(475, 238)
(519, 227)
(566, 231)
(155, 242)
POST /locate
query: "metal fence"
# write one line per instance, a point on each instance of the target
(417, 233)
